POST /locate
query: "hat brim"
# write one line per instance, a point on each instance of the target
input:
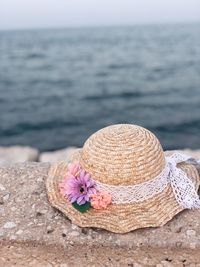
(123, 218)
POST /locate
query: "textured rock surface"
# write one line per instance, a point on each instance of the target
(193, 153)
(13, 154)
(57, 155)
(32, 233)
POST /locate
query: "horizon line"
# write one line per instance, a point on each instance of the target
(156, 23)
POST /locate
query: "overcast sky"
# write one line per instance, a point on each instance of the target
(66, 13)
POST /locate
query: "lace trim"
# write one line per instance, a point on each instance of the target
(183, 187)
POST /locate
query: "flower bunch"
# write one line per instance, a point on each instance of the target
(81, 190)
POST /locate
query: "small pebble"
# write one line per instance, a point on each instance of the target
(74, 233)
(74, 227)
(43, 211)
(65, 231)
(190, 232)
(19, 232)
(49, 229)
(2, 188)
(179, 244)
(39, 179)
(6, 197)
(9, 225)
(192, 245)
(1, 233)
(110, 238)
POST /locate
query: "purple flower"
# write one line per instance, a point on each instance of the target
(80, 188)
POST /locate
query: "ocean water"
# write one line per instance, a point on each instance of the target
(59, 86)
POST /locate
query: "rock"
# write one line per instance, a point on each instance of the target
(9, 225)
(49, 229)
(14, 154)
(6, 196)
(58, 155)
(2, 188)
(192, 245)
(19, 232)
(192, 153)
(74, 233)
(190, 232)
(1, 233)
(75, 227)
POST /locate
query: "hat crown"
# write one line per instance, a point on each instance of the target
(122, 154)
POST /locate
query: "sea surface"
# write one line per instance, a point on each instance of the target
(59, 86)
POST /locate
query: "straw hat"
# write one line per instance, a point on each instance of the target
(121, 155)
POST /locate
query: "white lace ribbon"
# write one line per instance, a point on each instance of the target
(183, 187)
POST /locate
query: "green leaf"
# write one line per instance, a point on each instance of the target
(82, 208)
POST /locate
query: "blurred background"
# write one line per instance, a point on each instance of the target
(69, 68)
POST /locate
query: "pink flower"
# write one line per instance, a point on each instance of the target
(100, 200)
(73, 168)
(77, 188)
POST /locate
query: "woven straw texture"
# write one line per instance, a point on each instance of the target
(120, 155)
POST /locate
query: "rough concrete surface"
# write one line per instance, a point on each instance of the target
(32, 233)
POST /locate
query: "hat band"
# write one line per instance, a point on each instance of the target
(183, 187)
(83, 191)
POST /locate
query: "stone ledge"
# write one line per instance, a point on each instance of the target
(29, 224)
(13, 154)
